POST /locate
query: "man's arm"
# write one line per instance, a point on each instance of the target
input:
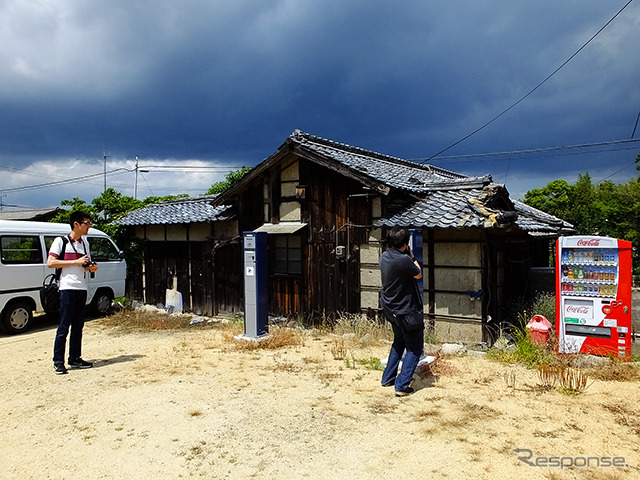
(53, 262)
(412, 256)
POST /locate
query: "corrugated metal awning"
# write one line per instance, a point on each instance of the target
(281, 228)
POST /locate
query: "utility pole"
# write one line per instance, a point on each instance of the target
(135, 189)
(105, 155)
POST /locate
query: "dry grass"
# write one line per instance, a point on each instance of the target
(151, 320)
(339, 349)
(510, 378)
(549, 375)
(364, 331)
(567, 380)
(624, 415)
(466, 413)
(278, 337)
(616, 371)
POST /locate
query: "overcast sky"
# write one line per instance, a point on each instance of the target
(221, 84)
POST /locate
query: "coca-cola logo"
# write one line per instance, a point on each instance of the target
(577, 309)
(594, 242)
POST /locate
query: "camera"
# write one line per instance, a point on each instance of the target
(89, 264)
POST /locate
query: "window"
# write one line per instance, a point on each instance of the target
(20, 250)
(103, 250)
(288, 255)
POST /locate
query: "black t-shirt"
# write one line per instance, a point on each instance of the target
(399, 288)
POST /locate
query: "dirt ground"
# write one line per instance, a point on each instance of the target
(191, 404)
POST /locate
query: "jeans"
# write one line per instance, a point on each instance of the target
(403, 340)
(72, 310)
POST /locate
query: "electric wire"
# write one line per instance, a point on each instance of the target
(636, 125)
(84, 178)
(117, 171)
(534, 88)
(564, 148)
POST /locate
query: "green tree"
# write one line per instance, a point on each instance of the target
(605, 209)
(105, 210)
(556, 198)
(229, 181)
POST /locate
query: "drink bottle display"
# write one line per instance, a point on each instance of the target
(593, 296)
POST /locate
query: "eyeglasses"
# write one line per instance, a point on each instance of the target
(85, 223)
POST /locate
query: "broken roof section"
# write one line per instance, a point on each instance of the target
(181, 211)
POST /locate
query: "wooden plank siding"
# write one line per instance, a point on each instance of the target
(337, 212)
(332, 282)
(209, 280)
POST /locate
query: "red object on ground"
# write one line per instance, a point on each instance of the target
(539, 327)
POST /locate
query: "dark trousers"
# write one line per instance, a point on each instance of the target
(403, 340)
(72, 311)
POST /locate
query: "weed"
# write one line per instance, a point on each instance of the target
(525, 351)
(572, 381)
(279, 337)
(339, 349)
(365, 330)
(616, 371)
(625, 416)
(148, 320)
(372, 363)
(510, 379)
(549, 375)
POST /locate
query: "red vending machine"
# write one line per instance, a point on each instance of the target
(593, 296)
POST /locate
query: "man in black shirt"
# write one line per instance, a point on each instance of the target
(402, 305)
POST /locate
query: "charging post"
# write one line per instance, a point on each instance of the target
(415, 243)
(256, 286)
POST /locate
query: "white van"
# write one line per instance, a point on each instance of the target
(24, 247)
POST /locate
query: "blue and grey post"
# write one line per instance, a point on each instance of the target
(256, 286)
(415, 243)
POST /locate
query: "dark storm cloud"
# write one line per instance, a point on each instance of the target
(226, 82)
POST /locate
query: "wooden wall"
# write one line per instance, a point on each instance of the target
(336, 212)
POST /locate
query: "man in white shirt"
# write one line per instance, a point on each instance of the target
(74, 265)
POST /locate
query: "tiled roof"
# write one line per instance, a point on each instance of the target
(533, 220)
(39, 215)
(182, 211)
(393, 172)
(441, 198)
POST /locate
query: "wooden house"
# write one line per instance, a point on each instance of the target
(326, 207)
(192, 245)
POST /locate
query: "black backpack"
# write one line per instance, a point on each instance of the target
(49, 292)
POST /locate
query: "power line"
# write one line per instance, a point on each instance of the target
(190, 167)
(111, 172)
(537, 150)
(534, 89)
(63, 182)
(636, 125)
(614, 173)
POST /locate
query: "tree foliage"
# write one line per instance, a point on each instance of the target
(105, 210)
(229, 181)
(111, 205)
(605, 209)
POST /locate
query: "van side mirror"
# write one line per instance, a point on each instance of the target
(120, 255)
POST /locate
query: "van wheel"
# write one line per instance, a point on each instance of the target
(101, 304)
(17, 317)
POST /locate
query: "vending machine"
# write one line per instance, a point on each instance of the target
(593, 296)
